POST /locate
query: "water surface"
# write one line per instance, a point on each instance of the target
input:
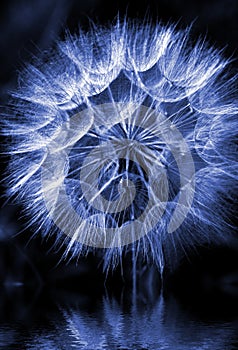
(76, 321)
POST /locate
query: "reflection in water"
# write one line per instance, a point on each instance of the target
(109, 324)
(37, 315)
(7, 336)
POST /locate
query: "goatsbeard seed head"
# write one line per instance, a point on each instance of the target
(125, 139)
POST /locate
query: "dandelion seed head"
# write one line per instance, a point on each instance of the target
(125, 138)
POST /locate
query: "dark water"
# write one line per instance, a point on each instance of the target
(46, 305)
(75, 321)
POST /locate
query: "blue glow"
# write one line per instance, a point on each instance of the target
(126, 66)
(153, 327)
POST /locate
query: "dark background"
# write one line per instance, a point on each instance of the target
(29, 27)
